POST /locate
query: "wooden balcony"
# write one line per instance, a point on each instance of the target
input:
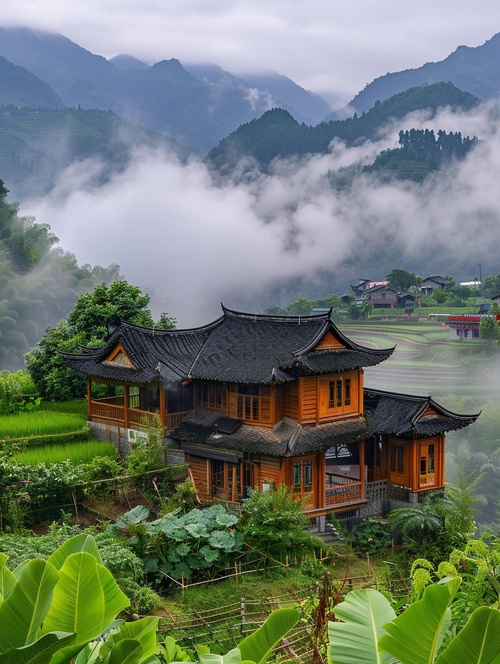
(112, 410)
(343, 489)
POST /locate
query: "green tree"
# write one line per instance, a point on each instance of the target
(97, 313)
(300, 306)
(89, 324)
(401, 280)
(53, 378)
(489, 329)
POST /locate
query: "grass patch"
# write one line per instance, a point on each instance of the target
(75, 452)
(76, 406)
(39, 423)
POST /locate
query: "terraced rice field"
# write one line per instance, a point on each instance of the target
(425, 360)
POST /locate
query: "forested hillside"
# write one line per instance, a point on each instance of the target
(35, 145)
(39, 282)
(473, 69)
(277, 134)
(21, 88)
(420, 154)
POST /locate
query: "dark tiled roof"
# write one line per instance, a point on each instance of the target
(238, 347)
(390, 413)
(287, 439)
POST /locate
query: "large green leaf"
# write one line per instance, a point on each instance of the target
(258, 646)
(231, 657)
(86, 598)
(478, 642)
(415, 636)
(143, 631)
(39, 652)
(128, 651)
(7, 580)
(364, 612)
(22, 613)
(81, 542)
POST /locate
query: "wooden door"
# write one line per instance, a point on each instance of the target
(427, 465)
(305, 480)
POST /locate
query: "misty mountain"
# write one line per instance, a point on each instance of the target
(36, 145)
(164, 97)
(20, 87)
(128, 63)
(278, 134)
(472, 69)
(270, 89)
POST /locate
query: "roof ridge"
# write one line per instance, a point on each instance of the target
(294, 318)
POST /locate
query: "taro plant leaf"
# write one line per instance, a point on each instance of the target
(141, 631)
(197, 530)
(364, 612)
(22, 613)
(81, 542)
(225, 519)
(258, 646)
(38, 652)
(221, 539)
(134, 516)
(209, 555)
(86, 598)
(478, 642)
(182, 549)
(416, 635)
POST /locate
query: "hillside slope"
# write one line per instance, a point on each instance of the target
(277, 134)
(475, 70)
(164, 97)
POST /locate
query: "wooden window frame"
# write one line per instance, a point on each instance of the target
(339, 393)
(211, 395)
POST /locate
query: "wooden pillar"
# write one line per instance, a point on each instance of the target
(300, 390)
(361, 404)
(125, 405)
(362, 475)
(321, 479)
(163, 404)
(89, 396)
(318, 397)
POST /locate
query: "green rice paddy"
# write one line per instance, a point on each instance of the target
(74, 452)
(39, 423)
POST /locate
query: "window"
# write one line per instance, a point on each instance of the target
(211, 395)
(302, 477)
(339, 393)
(427, 457)
(179, 397)
(397, 459)
(248, 403)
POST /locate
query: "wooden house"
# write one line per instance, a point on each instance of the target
(249, 400)
(431, 284)
(385, 297)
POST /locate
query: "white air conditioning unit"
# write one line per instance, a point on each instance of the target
(133, 435)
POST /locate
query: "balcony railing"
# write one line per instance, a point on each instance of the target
(113, 409)
(342, 489)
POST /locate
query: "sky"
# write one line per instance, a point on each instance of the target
(192, 242)
(332, 47)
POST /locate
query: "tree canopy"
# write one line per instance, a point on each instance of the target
(401, 280)
(89, 324)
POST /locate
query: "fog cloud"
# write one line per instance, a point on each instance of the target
(195, 242)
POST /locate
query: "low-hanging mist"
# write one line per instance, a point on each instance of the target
(193, 240)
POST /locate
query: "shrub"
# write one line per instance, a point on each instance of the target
(273, 522)
(370, 537)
